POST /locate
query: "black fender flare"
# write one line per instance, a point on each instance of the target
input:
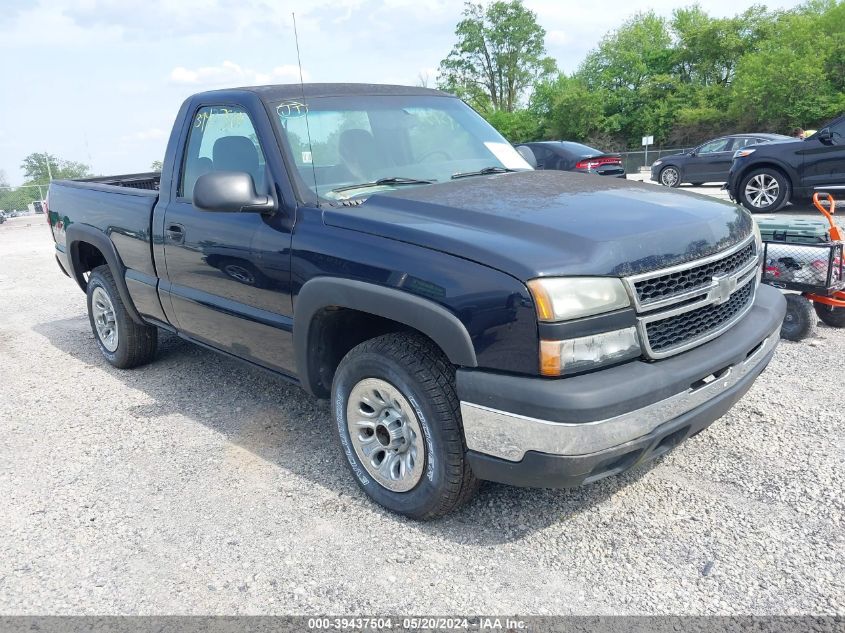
(423, 315)
(79, 233)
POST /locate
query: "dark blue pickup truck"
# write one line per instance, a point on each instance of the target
(469, 318)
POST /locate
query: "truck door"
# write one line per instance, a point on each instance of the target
(228, 274)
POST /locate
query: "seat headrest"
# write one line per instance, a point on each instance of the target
(235, 153)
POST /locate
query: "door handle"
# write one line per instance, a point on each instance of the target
(175, 232)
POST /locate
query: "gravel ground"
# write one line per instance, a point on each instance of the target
(195, 485)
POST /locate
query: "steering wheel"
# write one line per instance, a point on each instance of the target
(432, 153)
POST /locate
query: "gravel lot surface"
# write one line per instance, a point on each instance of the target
(195, 485)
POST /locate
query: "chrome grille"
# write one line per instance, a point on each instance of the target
(684, 306)
(683, 281)
(677, 330)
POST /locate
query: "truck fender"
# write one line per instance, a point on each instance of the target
(78, 233)
(423, 315)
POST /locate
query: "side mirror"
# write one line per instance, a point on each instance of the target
(528, 154)
(229, 191)
(825, 136)
(693, 152)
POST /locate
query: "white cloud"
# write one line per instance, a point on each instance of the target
(231, 74)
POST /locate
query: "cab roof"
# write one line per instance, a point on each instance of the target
(281, 92)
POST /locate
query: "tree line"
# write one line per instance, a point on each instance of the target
(38, 168)
(682, 79)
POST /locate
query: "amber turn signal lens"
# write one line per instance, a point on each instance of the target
(550, 359)
(542, 299)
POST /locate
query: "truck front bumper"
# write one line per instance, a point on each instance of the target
(566, 432)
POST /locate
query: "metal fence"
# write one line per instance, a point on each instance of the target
(634, 161)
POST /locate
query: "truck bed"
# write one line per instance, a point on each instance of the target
(149, 180)
(118, 207)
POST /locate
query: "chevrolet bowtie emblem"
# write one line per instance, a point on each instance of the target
(725, 286)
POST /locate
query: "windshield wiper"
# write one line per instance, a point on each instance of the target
(481, 172)
(395, 180)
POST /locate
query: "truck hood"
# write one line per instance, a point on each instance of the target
(538, 223)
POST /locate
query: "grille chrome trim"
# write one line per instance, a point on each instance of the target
(721, 289)
(642, 322)
(632, 281)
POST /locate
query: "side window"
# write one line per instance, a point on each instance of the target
(739, 143)
(719, 145)
(222, 138)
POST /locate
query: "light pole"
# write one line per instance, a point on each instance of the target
(49, 171)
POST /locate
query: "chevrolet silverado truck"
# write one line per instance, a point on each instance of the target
(468, 317)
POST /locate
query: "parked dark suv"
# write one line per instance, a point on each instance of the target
(709, 162)
(763, 178)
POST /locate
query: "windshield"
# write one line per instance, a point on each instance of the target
(385, 142)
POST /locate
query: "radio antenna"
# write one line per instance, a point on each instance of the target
(305, 105)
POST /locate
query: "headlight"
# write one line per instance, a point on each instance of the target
(563, 298)
(741, 153)
(656, 163)
(588, 352)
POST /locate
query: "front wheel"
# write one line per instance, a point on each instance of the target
(123, 342)
(670, 176)
(764, 190)
(397, 417)
(800, 320)
(834, 317)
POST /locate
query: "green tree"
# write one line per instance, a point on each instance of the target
(499, 55)
(569, 110)
(39, 166)
(707, 49)
(794, 78)
(518, 126)
(156, 166)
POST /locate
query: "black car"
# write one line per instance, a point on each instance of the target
(569, 156)
(709, 162)
(763, 178)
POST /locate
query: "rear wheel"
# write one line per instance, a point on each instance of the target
(123, 342)
(670, 176)
(834, 317)
(800, 319)
(397, 417)
(764, 190)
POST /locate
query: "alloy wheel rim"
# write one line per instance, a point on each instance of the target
(385, 434)
(669, 176)
(762, 190)
(105, 321)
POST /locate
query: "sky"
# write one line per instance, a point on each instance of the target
(100, 81)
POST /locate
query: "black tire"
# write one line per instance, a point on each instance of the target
(665, 176)
(761, 177)
(834, 317)
(136, 344)
(800, 319)
(421, 373)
